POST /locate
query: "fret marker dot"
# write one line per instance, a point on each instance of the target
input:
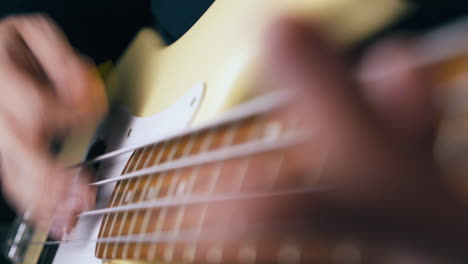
(151, 193)
(272, 131)
(129, 196)
(289, 254)
(180, 188)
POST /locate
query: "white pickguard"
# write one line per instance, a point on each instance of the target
(115, 131)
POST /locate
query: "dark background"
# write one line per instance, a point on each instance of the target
(102, 29)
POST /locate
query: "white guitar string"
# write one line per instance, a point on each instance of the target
(260, 105)
(239, 150)
(165, 236)
(266, 103)
(429, 45)
(136, 238)
(166, 203)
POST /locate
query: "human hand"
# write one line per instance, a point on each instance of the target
(376, 126)
(47, 90)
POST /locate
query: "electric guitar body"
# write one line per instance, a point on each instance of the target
(194, 100)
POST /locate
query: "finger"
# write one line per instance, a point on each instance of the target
(399, 91)
(342, 127)
(35, 115)
(80, 197)
(33, 184)
(36, 183)
(74, 79)
(31, 178)
(299, 59)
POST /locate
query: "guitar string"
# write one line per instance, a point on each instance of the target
(171, 152)
(163, 213)
(239, 150)
(273, 100)
(116, 153)
(165, 202)
(257, 106)
(140, 195)
(106, 218)
(127, 238)
(215, 173)
(133, 238)
(230, 118)
(242, 152)
(212, 199)
(179, 189)
(211, 233)
(119, 199)
(128, 196)
(205, 144)
(215, 252)
(148, 193)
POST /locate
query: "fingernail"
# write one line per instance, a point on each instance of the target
(56, 232)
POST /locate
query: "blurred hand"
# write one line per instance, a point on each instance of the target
(377, 131)
(46, 89)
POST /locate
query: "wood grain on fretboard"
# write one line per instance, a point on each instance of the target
(216, 179)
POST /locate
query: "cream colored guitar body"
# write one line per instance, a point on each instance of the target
(221, 51)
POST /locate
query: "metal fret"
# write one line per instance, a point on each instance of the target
(157, 188)
(125, 215)
(121, 201)
(220, 154)
(289, 252)
(168, 254)
(104, 227)
(163, 213)
(214, 179)
(107, 216)
(207, 142)
(152, 249)
(140, 199)
(258, 134)
(247, 253)
(181, 215)
(260, 105)
(273, 131)
(147, 216)
(244, 167)
(253, 133)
